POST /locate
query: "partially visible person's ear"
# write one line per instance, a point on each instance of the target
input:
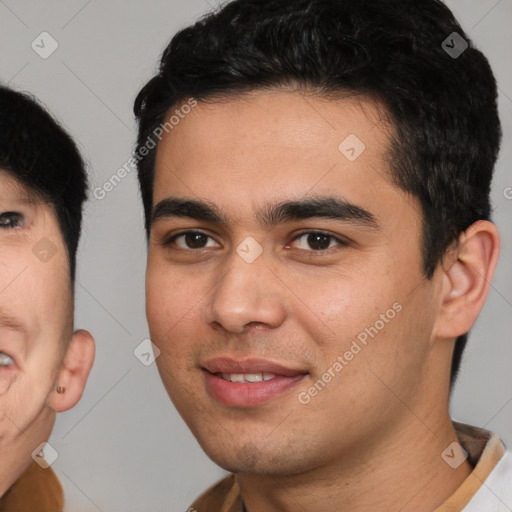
(72, 377)
(468, 270)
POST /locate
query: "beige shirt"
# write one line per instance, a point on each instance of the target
(484, 452)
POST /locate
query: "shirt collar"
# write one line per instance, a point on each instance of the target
(485, 450)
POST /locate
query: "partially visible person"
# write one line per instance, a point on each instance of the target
(44, 364)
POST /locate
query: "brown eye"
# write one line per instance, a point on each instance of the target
(195, 240)
(11, 220)
(191, 239)
(318, 241)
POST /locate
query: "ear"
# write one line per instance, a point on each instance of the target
(467, 274)
(73, 374)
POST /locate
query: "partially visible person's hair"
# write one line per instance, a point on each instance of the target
(39, 153)
(443, 109)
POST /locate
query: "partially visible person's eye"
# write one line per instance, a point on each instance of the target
(11, 220)
(5, 360)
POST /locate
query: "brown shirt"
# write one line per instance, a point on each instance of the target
(484, 452)
(36, 490)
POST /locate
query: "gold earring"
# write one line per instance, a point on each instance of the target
(61, 389)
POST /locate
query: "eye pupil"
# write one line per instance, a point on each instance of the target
(193, 240)
(317, 238)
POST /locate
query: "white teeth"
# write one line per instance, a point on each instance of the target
(248, 377)
(253, 377)
(5, 360)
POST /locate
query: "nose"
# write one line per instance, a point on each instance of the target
(246, 294)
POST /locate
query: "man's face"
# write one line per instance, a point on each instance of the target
(35, 317)
(252, 314)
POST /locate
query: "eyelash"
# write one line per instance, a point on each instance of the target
(20, 221)
(341, 242)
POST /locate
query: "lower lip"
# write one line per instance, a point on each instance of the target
(250, 394)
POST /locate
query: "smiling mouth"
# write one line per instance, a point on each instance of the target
(246, 377)
(248, 383)
(248, 389)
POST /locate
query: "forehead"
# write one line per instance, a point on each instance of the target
(278, 118)
(271, 145)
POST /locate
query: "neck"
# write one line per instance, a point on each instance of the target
(404, 471)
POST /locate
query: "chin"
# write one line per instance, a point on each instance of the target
(249, 458)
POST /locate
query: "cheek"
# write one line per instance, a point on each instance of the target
(163, 299)
(334, 307)
(172, 309)
(27, 395)
(7, 377)
(174, 290)
(370, 319)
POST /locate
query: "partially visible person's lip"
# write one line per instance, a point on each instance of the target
(248, 382)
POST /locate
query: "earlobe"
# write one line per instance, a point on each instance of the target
(467, 278)
(72, 377)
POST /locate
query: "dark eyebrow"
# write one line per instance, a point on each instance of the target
(329, 207)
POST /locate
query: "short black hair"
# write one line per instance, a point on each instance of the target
(39, 154)
(441, 97)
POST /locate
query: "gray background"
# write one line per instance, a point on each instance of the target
(124, 448)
